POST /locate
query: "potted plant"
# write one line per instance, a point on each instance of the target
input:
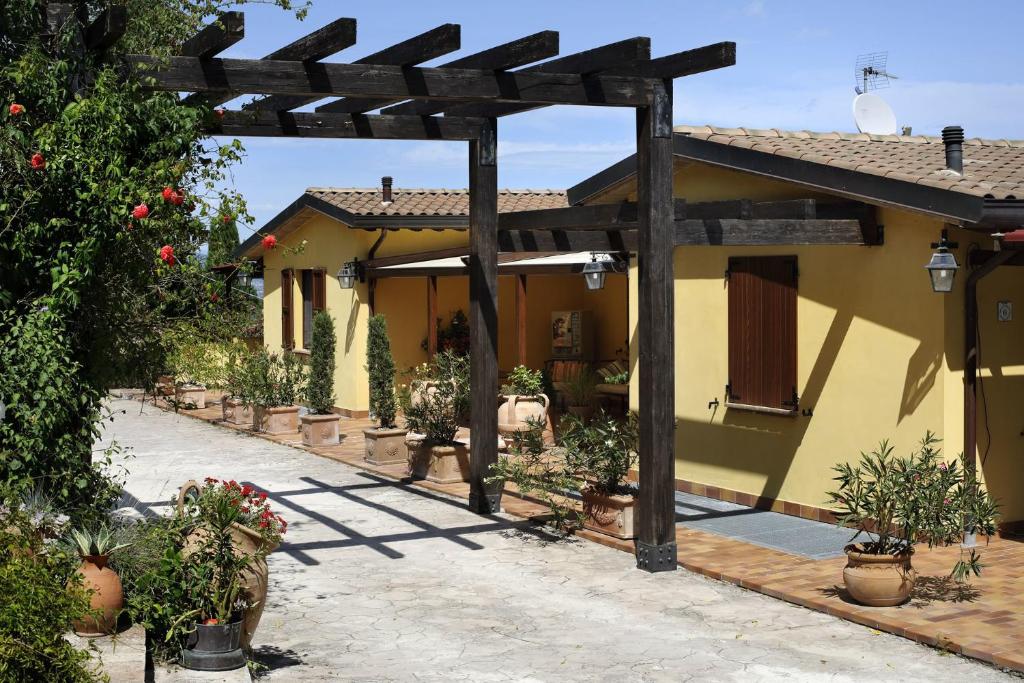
(614, 379)
(523, 401)
(191, 363)
(602, 452)
(578, 387)
(107, 594)
(439, 457)
(233, 406)
(228, 513)
(899, 502)
(272, 385)
(385, 443)
(320, 425)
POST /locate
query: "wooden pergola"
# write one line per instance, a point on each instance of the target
(463, 100)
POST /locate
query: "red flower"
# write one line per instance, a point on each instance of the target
(211, 622)
(38, 162)
(246, 490)
(141, 211)
(266, 514)
(227, 218)
(218, 112)
(167, 254)
(168, 194)
(215, 297)
(17, 109)
(210, 480)
(235, 502)
(178, 199)
(263, 525)
(245, 508)
(263, 496)
(269, 242)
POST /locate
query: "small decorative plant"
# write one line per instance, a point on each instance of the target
(289, 380)
(226, 502)
(579, 386)
(918, 498)
(268, 380)
(614, 373)
(381, 369)
(601, 451)
(438, 413)
(523, 381)
(98, 543)
(320, 387)
(454, 336)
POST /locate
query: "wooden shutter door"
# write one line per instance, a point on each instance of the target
(762, 331)
(287, 323)
(319, 291)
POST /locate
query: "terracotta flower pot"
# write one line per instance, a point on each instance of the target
(419, 458)
(448, 464)
(276, 420)
(107, 596)
(514, 411)
(214, 647)
(191, 396)
(878, 580)
(320, 430)
(385, 446)
(612, 515)
(236, 411)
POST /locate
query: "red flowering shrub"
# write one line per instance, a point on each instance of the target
(269, 242)
(141, 211)
(38, 161)
(168, 194)
(167, 254)
(17, 109)
(253, 511)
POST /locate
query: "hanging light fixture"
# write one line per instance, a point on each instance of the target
(594, 273)
(348, 273)
(943, 266)
(243, 277)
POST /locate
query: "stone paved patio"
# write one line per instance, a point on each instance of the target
(381, 581)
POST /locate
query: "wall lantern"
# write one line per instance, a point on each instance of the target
(943, 266)
(348, 273)
(594, 272)
(243, 278)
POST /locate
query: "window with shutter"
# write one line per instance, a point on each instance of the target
(287, 325)
(762, 333)
(314, 299)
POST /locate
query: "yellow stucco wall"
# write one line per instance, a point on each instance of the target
(879, 356)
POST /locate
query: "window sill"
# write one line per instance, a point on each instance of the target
(300, 352)
(785, 412)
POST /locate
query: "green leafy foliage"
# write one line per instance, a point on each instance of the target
(439, 406)
(380, 366)
(223, 236)
(101, 541)
(523, 381)
(602, 450)
(320, 388)
(918, 498)
(267, 379)
(579, 386)
(453, 336)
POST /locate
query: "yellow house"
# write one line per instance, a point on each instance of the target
(789, 358)
(852, 340)
(409, 245)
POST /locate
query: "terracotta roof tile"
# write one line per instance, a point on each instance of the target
(993, 168)
(431, 202)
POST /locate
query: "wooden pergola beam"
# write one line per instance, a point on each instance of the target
(418, 49)
(680, 64)
(506, 56)
(352, 126)
(107, 28)
(323, 42)
(176, 74)
(214, 38)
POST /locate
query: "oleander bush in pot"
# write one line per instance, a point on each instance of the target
(898, 502)
(272, 384)
(385, 442)
(320, 425)
(523, 400)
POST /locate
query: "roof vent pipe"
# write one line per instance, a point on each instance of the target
(953, 139)
(385, 186)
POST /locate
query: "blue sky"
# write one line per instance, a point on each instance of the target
(958, 63)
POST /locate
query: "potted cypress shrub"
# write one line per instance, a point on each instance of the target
(439, 456)
(106, 593)
(523, 401)
(385, 443)
(602, 452)
(320, 425)
(899, 502)
(233, 405)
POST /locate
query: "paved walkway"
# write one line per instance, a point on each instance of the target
(380, 581)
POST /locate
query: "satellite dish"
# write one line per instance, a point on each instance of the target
(873, 115)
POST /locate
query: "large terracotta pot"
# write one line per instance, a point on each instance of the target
(419, 458)
(514, 411)
(236, 411)
(276, 420)
(320, 430)
(107, 596)
(448, 464)
(612, 515)
(878, 580)
(247, 543)
(191, 396)
(385, 446)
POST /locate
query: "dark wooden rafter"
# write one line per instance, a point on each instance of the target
(437, 41)
(507, 56)
(317, 125)
(107, 28)
(308, 49)
(214, 38)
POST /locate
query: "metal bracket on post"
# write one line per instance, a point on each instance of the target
(656, 558)
(486, 504)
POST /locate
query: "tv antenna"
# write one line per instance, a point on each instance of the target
(870, 72)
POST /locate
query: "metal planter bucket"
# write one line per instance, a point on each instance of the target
(214, 647)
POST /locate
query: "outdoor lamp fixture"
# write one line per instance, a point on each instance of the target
(943, 266)
(594, 272)
(243, 278)
(348, 274)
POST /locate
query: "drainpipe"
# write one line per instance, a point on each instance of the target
(971, 365)
(371, 285)
(953, 139)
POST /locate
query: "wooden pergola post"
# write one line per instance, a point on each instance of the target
(656, 525)
(431, 316)
(483, 316)
(521, 319)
